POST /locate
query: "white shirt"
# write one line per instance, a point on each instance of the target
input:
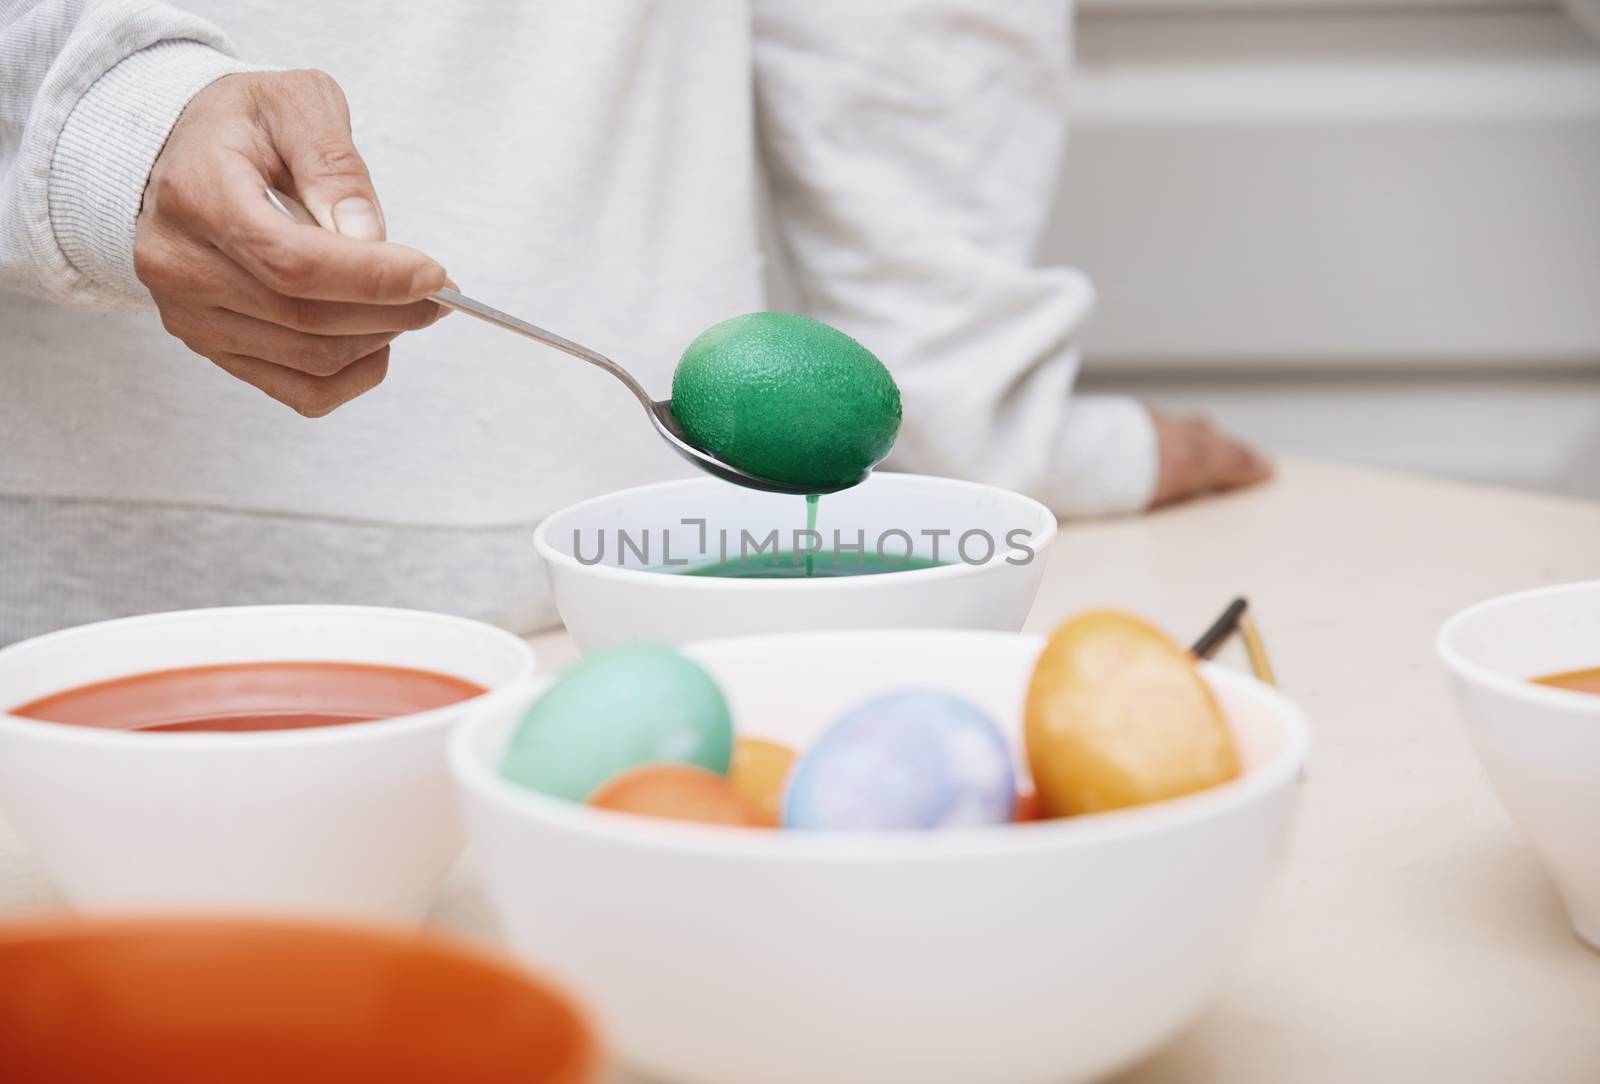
(592, 165)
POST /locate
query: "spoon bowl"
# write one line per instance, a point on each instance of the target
(660, 410)
(666, 423)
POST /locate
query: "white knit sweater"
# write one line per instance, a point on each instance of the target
(592, 164)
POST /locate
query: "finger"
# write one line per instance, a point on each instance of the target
(1255, 468)
(305, 261)
(189, 273)
(336, 317)
(310, 129)
(312, 396)
(218, 331)
(1235, 463)
(229, 286)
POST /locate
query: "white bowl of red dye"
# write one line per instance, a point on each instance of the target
(279, 758)
(1041, 953)
(699, 559)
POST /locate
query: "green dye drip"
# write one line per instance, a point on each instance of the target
(789, 565)
(811, 526)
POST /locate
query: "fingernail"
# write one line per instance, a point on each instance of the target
(426, 279)
(355, 216)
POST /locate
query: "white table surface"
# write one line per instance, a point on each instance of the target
(1412, 936)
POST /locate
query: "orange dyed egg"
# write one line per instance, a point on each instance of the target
(1117, 715)
(679, 792)
(758, 772)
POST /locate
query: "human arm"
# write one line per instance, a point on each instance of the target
(133, 151)
(912, 148)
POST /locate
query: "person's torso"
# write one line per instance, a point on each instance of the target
(586, 164)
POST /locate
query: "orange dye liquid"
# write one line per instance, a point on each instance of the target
(1579, 681)
(251, 696)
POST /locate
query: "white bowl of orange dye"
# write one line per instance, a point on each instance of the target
(1539, 741)
(202, 1001)
(166, 762)
(1041, 953)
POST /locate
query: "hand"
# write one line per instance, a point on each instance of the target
(1196, 458)
(305, 314)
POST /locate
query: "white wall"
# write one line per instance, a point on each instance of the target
(1362, 231)
(1367, 230)
(1540, 430)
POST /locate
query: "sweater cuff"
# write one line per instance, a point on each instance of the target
(106, 149)
(1107, 459)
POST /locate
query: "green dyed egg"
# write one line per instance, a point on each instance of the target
(787, 398)
(616, 710)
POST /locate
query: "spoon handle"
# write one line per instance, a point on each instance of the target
(490, 314)
(454, 299)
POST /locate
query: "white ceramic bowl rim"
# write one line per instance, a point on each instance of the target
(1040, 536)
(1521, 688)
(208, 742)
(475, 772)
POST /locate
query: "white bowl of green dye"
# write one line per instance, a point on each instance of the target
(633, 565)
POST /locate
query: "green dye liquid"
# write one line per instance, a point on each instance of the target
(794, 565)
(790, 565)
(811, 525)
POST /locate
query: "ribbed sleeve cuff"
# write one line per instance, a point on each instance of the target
(107, 146)
(1107, 459)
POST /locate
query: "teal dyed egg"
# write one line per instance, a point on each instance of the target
(619, 709)
(787, 398)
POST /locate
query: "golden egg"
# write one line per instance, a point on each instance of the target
(1117, 715)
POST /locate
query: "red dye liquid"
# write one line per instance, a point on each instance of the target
(251, 696)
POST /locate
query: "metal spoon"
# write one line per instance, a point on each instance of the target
(659, 410)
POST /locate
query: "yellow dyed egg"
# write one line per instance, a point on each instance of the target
(758, 772)
(1117, 715)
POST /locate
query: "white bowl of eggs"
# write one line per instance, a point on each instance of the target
(900, 926)
(701, 559)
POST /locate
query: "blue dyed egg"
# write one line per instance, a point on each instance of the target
(911, 760)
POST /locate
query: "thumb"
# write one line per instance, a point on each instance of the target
(310, 129)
